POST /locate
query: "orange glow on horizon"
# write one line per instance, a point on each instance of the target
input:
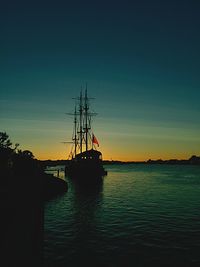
(123, 151)
(117, 157)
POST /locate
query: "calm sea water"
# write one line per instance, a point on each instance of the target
(142, 215)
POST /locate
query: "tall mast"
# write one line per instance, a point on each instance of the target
(75, 126)
(81, 121)
(86, 119)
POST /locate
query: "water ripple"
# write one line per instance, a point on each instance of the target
(142, 216)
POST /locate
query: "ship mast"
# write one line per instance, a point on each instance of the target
(82, 124)
(82, 137)
(75, 126)
(86, 119)
(81, 121)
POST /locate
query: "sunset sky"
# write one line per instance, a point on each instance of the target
(140, 59)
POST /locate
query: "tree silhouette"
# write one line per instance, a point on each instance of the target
(13, 160)
(4, 140)
(26, 154)
(5, 152)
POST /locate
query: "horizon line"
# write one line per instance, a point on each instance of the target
(131, 161)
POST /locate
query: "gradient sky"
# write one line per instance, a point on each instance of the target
(141, 60)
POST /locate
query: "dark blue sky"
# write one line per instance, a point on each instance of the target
(141, 62)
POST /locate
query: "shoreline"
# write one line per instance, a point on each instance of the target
(193, 160)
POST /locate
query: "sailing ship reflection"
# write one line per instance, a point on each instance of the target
(86, 204)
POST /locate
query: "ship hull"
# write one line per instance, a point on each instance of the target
(85, 170)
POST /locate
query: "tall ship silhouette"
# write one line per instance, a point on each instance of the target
(85, 161)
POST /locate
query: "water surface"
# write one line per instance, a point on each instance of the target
(141, 215)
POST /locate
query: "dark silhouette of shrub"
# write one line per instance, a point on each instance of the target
(5, 150)
(14, 161)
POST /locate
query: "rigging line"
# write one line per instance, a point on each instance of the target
(91, 143)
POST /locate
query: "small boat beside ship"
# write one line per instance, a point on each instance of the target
(85, 161)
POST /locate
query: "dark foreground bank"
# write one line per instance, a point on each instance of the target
(53, 186)
(23, 188)
(22, 216)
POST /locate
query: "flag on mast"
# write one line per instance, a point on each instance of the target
(94, 140)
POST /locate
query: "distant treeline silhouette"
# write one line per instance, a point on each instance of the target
(193, 160)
